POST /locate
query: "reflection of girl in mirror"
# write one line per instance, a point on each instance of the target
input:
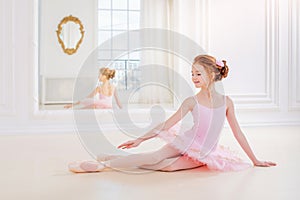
(195, 147)
(101, 97)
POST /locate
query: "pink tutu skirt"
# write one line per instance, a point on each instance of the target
(220, 158)
(97, 103)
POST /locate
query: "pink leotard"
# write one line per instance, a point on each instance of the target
(98, 101)
(201, 142)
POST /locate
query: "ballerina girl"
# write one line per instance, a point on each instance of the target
(195, 147)
(101, 97)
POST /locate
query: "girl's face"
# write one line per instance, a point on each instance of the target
(199, 76)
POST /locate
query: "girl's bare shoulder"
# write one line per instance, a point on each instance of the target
(229, 103)
(98, 89)
(190, 102)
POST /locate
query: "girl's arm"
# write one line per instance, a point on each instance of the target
(117, 98)
(240, 137)
(185, 107)
(71, 105)
(93, 93)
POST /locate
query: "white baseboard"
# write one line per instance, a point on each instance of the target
(72, 129)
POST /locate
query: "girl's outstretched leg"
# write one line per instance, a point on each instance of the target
(130, 161)
(137, 160)
(89, 107)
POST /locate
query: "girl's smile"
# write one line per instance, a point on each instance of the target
(197, 77)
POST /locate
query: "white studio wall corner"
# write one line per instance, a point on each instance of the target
(7, 62)
(294, 55)
(246, 34)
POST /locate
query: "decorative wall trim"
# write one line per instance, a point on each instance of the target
(294, 52)
(71, 128)
(34, 85)
(7, 65)
(270, 99)
(204, 16)
(2, 100)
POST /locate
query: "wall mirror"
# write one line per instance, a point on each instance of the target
(83, 26)
(70, 33)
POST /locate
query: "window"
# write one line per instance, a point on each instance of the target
(116, 17)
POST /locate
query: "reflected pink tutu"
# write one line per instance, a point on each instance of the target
(101, 102)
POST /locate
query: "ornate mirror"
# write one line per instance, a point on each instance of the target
(70, 34)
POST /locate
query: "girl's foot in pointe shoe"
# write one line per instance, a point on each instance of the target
(85, 167)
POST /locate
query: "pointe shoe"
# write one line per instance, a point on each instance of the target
(85, 166)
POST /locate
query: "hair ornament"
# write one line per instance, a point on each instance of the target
(220, 63)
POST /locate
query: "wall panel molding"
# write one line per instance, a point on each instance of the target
(269, 100)
(2, 39)
(2, 61)
(204, 18)
(294, 53)
(7, 64)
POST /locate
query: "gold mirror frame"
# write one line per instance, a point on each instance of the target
(65, 20)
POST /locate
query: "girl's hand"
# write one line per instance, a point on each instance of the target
(264, 164)
(130, 144)
(68, 106)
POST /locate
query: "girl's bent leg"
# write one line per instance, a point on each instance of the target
(174, 164)
(137, 160)
(89, 107)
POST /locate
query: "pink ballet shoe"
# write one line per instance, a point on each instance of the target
(85, 166)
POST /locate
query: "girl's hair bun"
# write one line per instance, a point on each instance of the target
(112, 73)
(109, 73)
(224, 70)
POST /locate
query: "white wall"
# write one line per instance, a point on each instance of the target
(260, 41)
(56, 66)
(261, 45)
(53, 61)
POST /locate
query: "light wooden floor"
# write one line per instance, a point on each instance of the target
(35, 167)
